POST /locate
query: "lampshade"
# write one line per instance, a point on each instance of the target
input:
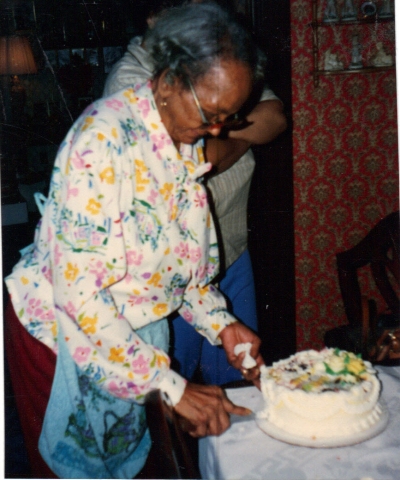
(16, 56)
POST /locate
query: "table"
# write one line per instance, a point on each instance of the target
(244, 452)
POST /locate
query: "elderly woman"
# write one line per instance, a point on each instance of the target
(126, 239)
(234, 163)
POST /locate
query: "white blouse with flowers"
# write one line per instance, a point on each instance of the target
(126, 238)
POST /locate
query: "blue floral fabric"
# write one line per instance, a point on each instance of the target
(88, 433)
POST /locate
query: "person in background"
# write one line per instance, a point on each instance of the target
(126, 239)
(229, 185)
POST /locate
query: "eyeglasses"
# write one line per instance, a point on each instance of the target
(229, 122)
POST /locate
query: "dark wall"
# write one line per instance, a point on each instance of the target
(271, 225)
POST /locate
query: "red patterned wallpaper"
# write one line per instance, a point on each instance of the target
(345, 164)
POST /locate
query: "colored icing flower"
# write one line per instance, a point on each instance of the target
(160, 309)
(140, 365)
(93, 206)
(71, 272)
(88, 325)
(356, 366)
(336, 363)
(81, 354)
(116, 355)
(114, 104)
(108, 176)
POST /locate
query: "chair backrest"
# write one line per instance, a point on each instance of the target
(172, 453)
(381, 250)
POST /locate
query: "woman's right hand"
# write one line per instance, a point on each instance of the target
(205, 410)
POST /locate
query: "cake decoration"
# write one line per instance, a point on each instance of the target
(322, 395)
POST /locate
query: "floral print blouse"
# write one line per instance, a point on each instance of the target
(126, 238)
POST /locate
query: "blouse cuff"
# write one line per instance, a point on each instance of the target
(219, 321)
(172, 387)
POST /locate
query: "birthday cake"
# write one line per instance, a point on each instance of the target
(328, 395)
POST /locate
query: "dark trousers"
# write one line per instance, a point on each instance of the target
(32, 367)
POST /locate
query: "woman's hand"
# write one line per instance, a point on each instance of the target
(234, 334)
(205, 410)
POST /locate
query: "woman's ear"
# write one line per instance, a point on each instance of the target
(166, 87)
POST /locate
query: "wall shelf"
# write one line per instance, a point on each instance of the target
(345, 23)
(353, 70)
(317, 24)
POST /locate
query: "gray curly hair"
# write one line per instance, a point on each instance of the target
(187, 40)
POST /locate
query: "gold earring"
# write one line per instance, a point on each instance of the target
(163, 103)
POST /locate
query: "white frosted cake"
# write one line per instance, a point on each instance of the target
(328, 396)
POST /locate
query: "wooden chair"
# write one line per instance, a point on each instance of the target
(380, 249)
(173, 452)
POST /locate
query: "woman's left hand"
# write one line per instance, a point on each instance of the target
(234, 334)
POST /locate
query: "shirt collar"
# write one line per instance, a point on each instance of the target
(188, 154)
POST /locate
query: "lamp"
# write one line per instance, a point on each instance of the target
(16, 56)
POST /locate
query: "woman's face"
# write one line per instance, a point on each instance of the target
(221, 93)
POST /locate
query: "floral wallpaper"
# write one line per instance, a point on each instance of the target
(345, 162)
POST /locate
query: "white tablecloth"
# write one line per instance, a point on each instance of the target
(244, 452)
